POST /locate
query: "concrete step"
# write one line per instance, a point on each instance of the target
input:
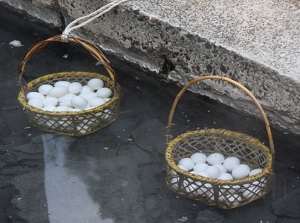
(253, 42)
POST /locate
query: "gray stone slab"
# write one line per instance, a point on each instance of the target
(253, 42)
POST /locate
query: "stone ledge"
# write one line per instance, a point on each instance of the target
(254, 43)
(42, 10)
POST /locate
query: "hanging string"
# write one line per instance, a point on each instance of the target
(82, 21)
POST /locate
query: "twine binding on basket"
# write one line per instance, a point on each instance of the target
(70, 123)
(226, 194)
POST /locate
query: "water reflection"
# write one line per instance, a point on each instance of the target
(67, 195)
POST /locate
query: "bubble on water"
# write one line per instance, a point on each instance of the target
(15, 43)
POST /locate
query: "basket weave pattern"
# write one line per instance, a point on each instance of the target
(226, 194)
(213, 191)
(71, 123)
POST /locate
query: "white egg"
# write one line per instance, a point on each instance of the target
(251, 192)
(85, 123)
(65, 123)
(221, 197)
(106, 99)
(200, 167)
(198, 157)
(182, 167)
(33, 94)
(58, 91)
(50, 101)
(104, 92)
(86, 89)
(209, 194)
(241, 171)
(45, 89)
(95, 83)
(187, 162)
(49, 108)
(61, 109)
(203, 174)
(88, 107)
(193, 172)
(79, 102)
(209, 191)
(235, 189)
(68, 96)
(233, 199)
(66, 103)
(215, 158)
(225, 176)
(61, 84)
(221, 167)
(206, 188)
(75, 109)
(255, 171)
(66, 100)
(213, 171)
(89, 95)
(107, 113)
(189, 187)
(51, 124)
(83, 129)
(174, 182)
(260, 183)
(36, 102)
(92, 121)
(231, 162)
(95, 102)
(74, 88)
(203, 191)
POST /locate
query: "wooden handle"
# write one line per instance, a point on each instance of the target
(233, 83)
(94, 50)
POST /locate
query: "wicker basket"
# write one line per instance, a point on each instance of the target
(226, 194)
(70, 123)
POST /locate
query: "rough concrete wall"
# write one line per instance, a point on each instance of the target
(152, 42)
(156, 44)
(43, 10)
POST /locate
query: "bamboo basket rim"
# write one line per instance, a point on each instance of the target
(227, 133)
(269, 152)
(22, 100)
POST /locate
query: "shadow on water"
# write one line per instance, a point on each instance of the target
(65, 191)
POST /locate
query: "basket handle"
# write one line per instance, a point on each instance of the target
(233, 83)
(94, 50)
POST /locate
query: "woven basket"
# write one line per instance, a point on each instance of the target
(226, 194)
(70, 123)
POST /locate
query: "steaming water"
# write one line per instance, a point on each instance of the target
(67, 195)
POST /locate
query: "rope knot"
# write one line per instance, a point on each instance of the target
(64, 37)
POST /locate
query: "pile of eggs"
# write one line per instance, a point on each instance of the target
(216, 166)
(66, 96)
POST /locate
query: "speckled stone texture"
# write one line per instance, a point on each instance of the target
(254, 42)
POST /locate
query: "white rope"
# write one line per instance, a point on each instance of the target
(82, 21)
